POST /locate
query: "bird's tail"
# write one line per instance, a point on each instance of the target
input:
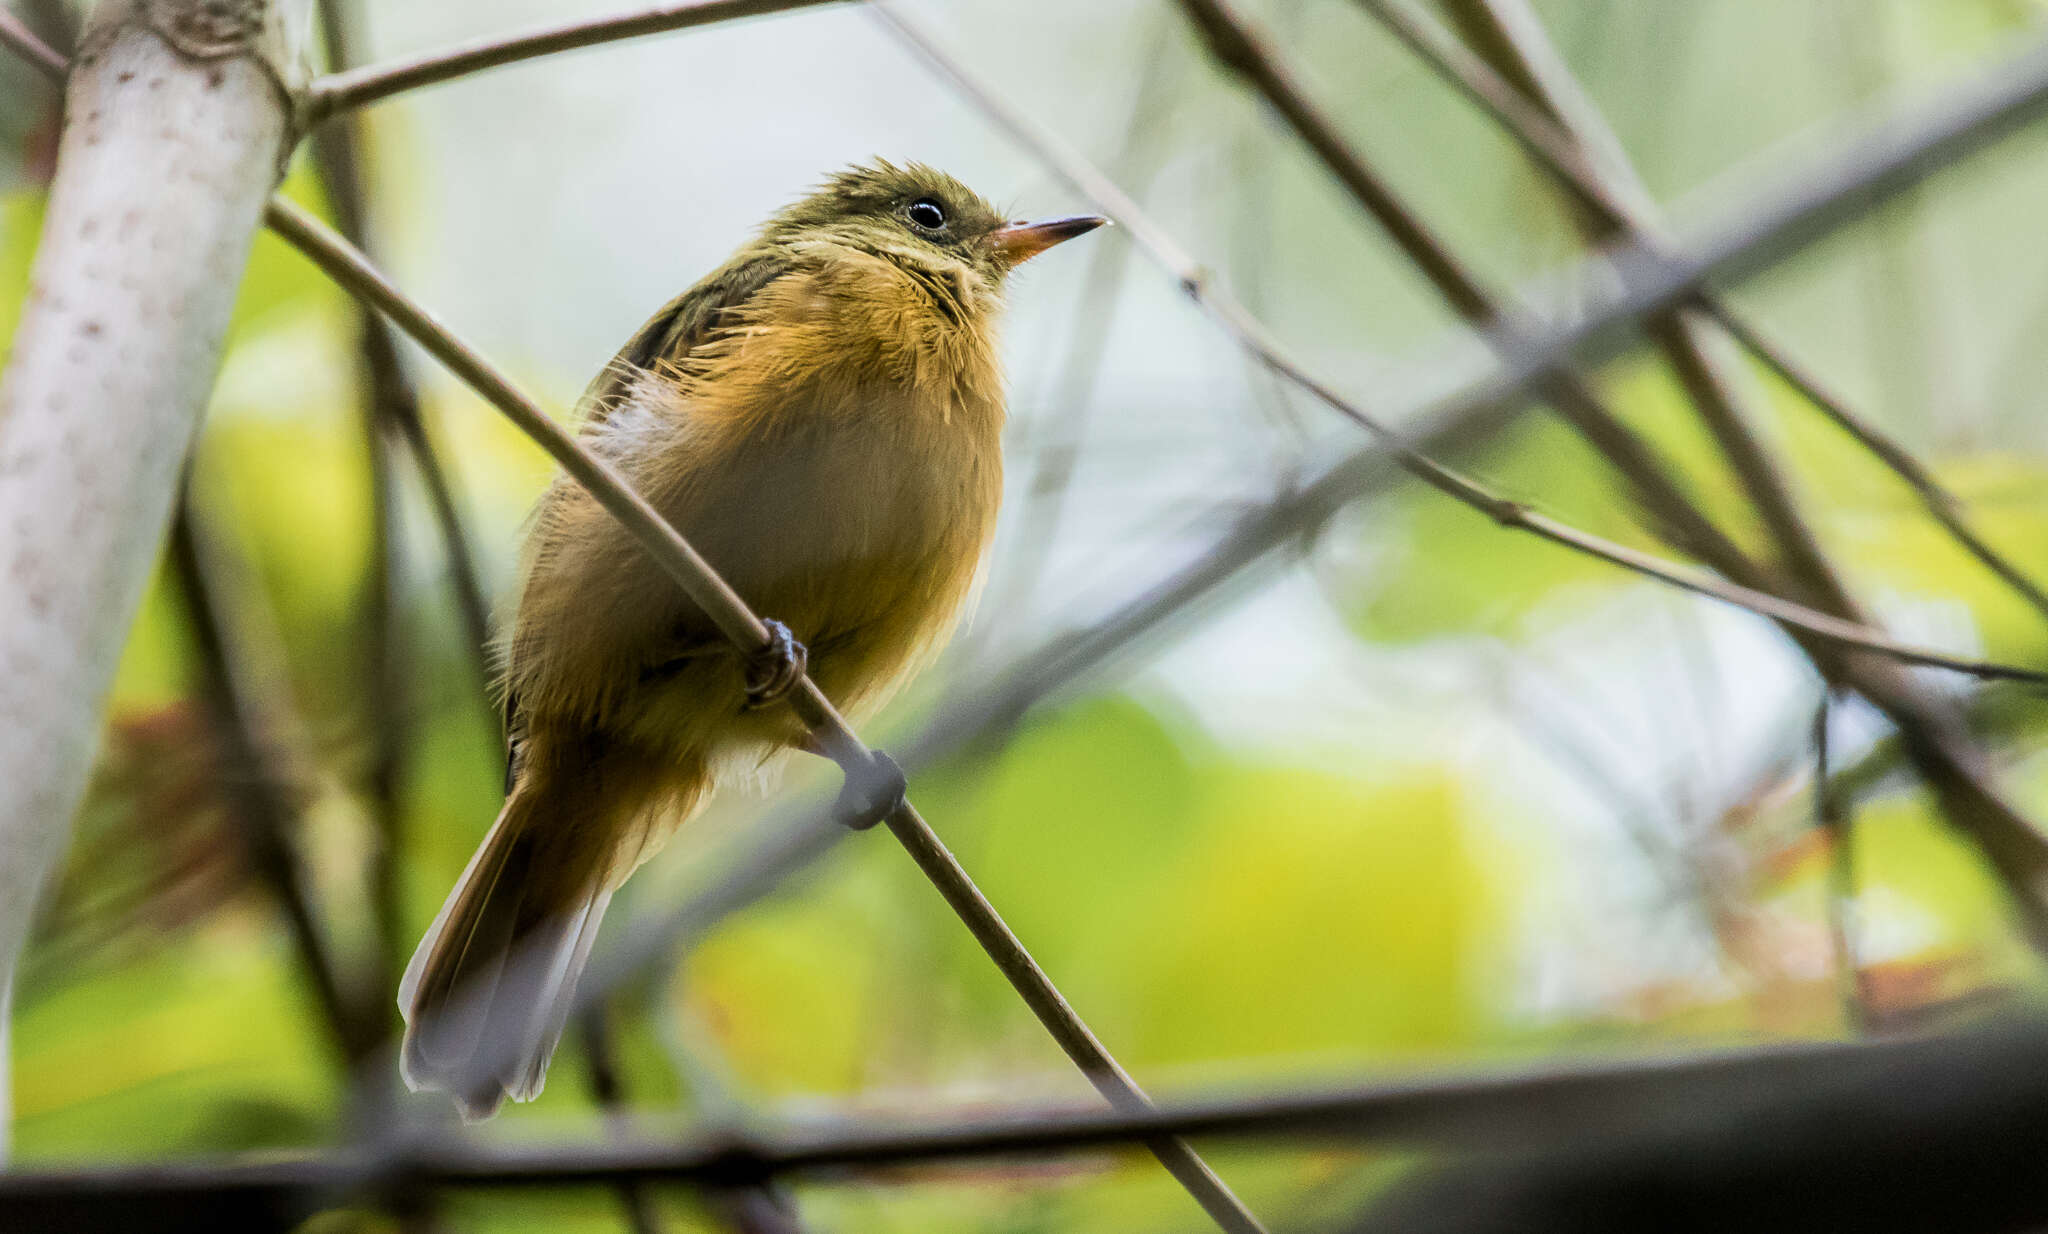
(490, 988)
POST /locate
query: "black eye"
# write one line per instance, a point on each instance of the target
(926, 213)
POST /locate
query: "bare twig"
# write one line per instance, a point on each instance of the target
(355, 87)
(1941, 504)
(1941, 750)
(23, 41)
(1831, 815)
(1557, 151)
(259, 803)
(1243, 52)
(681, 562)
(1934, 735)
(1797, 617)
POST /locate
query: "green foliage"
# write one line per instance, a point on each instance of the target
(1320, 916)
(21, 221)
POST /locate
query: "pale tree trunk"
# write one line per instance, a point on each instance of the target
(177, 118)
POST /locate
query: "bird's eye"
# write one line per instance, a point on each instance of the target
(926, 213)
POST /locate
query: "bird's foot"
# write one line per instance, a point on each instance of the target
(774, 670)
(871, 793)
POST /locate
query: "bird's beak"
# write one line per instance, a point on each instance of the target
(1020, 242)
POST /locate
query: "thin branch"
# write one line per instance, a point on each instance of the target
(1941, 504)
(1940, 745)
(23, 42)
(1240, 50)
(258, 801)
(1970, 1082)
(348, 267)
(1953, 767)
(1557, 152)
(356, 87)
(1798, 617)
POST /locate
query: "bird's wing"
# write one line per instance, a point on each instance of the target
(682, 325)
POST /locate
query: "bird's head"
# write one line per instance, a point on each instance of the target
(919, 215)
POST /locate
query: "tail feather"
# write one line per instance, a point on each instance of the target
(492, 984)
(488, 991)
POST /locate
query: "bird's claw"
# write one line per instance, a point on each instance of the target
(871, 793)
(774, 670)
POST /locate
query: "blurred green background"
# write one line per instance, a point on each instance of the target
(1428, 794)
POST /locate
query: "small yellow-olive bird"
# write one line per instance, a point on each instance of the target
(822, 418)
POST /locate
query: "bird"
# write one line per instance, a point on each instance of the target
(820, 417)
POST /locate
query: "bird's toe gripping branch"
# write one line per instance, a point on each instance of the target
(871, 793)
(773, 671)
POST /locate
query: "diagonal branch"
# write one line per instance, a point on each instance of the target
(1244, 53)
(1934, 734)
(1942, 504)
(356, 87)
(744, 629)
(1556, 150)
(23, 41)
(1941, 748)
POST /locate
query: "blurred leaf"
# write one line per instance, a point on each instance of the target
(144, 1060)
(790, 991)
(1318, 915)
(21, 226)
